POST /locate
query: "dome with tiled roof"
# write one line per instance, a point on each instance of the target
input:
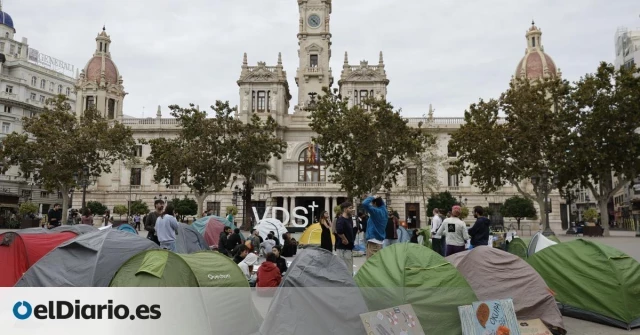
(101, 62)
(536, 63)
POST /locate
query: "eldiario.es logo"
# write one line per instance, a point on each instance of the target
(63, 310)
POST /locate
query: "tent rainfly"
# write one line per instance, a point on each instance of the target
(312, 236)
(539, 242)
(189, 240)
(518, 247)
(271, 225)
(592, 281)
(210, 228)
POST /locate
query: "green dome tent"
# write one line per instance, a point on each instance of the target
(407, 273)
(592, 281)
(518, 247)
(219, 279)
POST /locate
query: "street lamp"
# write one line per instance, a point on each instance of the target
(570, 196)
(387, 197)
(234, 200)
(544, 184)
(84, 179)
(159, 197)
(244, 193)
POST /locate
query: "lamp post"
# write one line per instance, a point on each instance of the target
(83, 179)
(245, 191)
(387, 197)
(544, 184)
(234, 200)
(159, 197)
(571, 196)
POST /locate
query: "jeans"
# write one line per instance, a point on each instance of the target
(169, 245)
(388, 242)
(347, 257)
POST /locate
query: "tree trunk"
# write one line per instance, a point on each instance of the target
(518, 221)
(542, 203)
(247, 209)
(604, 217)
(65, 204)
(200, 200)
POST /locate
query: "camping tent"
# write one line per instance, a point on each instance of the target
(189, 240)
(592, 281)
(210, 229)
(312, 236)
(162, 268)
(539, 242)
(271, 225)
(19, 252)
(496, 274)
(89, 260)
(408, 273)
(78, 229)
(317, 296)
(518, 247)
(127, 228)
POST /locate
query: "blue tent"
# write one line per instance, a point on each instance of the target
(201, 223)
(127, 228)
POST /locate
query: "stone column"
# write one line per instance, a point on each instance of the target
(292, 205)
(327, 205)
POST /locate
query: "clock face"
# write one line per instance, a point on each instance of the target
(314, 21)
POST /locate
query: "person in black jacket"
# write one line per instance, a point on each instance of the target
(234, 239)
(281, 263)
(150, 222)
(480, 231)
(223, 241)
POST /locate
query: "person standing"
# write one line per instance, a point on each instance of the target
(106, 219)
(391, 230)
(255, 241)
(376, 224)
(325, 237)
(344, 229)
(55, 217)
(150, 222)
(437, 242)
(166, 227)
(480, 231)
(87, 218)
(222, 241)
(455, 230)
(136, 221)
(230, 217)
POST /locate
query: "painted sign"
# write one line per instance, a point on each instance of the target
(49, 62)
(286, 215)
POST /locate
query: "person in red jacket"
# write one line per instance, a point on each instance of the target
(269, 276)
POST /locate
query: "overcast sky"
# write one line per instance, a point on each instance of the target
(445, 52)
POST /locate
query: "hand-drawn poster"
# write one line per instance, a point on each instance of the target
(400, 320)
(492, 317)
(533, 327)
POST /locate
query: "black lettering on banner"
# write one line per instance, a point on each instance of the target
(40, 312)
(142, 312)
(451, 228)
(60, 310)
(78, 310)
(52, 312)
(121, 312)
(89, 312)
(101, 308)
(155, 312)
(110, 309)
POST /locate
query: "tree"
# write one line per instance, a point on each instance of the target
(204, 154)
(184, 207)
(120, 210)
(605, 143)
(365, 148)
(97, 208)
(427, 165)
(590, 215)
(518, 208)
(139, 207)
(257, 143)
(444, 201)
(464, 212)
(28, 208)
(56, 144)
(530, 141)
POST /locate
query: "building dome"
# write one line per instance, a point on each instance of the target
(536, 64)
(5, 19)
(94, 69)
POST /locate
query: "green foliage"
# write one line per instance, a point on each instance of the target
(233, 210)
(488, 211)
(518, 208)
(337, 210)
(120, 210)
(464, 212)
(57, 143)
(139, 207)
(444, 201)
(366, 149)
(185, 206)
(28, 208)
(590, 215)
(96, 207)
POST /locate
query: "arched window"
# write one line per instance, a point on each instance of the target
(59, 89)
(68, 91)
(34, 81)
(311, 166)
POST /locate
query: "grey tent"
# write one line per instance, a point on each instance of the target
(79, 229)
(89, 260)
(496, 274)
(317, 296)
(189, 240)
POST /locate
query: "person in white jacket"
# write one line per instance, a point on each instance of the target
(455, 231)
(247, 265)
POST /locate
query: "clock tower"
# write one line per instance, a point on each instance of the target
(314, 49)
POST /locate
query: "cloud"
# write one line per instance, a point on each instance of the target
(447, 53)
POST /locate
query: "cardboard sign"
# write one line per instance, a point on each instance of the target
(491, 317)
(533, 327)
(399, 320)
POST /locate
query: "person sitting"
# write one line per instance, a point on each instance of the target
(281, 262)
(246, 265)
(268, 277)
(223, 241)
(290, 247)
(234, 239)
(240, 253)
(277, 240)
(268, 244)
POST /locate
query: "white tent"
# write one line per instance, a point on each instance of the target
(539, 242)
(271, 225)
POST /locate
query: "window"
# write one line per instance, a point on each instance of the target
(175, 179)
(59, 89)
(313, 61)
(533, 41)
(6, 127)
(9, 89)
(59, 195)
(453, 179)
(42, 98)
(101, 46)
(26, 194)
(261, 179)
(412, 177)
(261, 101)
(90, 102)
(363, 97)
(33, 97)
(34, 81)
(12, 48)
(214, 206)
(52, 85)
(32, 114)
(68, 91)
(253, 100)
(451, 152)
(7, 109)
(19, 49)
(355, 98)
(137, 151)
(44, 194)
(112, 109)
(136, 176)
(311, 167)
(2, 46)
(43, 84)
